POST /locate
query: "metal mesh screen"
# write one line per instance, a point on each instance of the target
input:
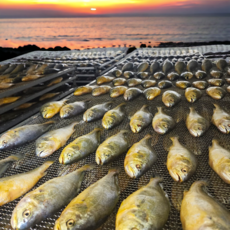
(217, 188)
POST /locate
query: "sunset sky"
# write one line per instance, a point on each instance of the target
(62, 8)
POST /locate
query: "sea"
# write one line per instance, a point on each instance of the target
(81, 33)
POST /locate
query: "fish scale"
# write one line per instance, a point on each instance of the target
(217, 187)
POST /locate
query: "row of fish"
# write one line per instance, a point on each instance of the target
(147, 208)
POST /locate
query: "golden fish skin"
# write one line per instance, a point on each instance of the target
(41, 69)
(18, 68)
(159, 75)
(155, 67)
(219, 161)
(55, 81)
(47, 96)
(171, 98)
(216, 82)
(82, 90)
(192, 66)
(104, 79)
(74, 109)
(142, 67)
(221, 64)
(5, 85)
(162, 123)
(117, 72)
(187, 75)
(216, 92)
(206, 65)
(192, 94)
(81, 147)
(114, 116)
(53, 140)
(24, 106)
(151, 93)
(128, 74)
(165, 84)
(141, 119)
(200, 74)
(52, 108)
(183, 84)
(221, 119)
(119, 81)
(91, 216)
(132, 93)
(8, 100)
(148, 83)
(101, 90)
(143, 75)
(31, 77)
(117, 91)
(200, 84)
(13, 187)
(201, 211)
(50, 197)
(148, 208)
(134, 82)
(97, 111)
(196, 124)
(173, 76)
(140, 158)
(112, 148)
(181, 163)
(180, 67)
(216, 73)
(31, 69)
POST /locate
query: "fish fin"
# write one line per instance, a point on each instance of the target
(122, 105)
(109, 104)
(49, 122)
(87, 101)
(87, 167)
(155, 181)
(114, 171)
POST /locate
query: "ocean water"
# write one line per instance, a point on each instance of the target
(78, 33)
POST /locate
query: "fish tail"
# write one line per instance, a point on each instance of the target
(155, 181)
(159, 109)
(45, 166)
(49, 122)
(124, 131)
(87, 167)
(114, 171)
(87, 101)
(145, 107)
(174, 139)
(122, 105)
(215, 142)
(216, 106)
(148, 136)
(199, 185)
(109, 103)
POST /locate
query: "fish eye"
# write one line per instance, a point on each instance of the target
(138, 166)
(70, 223)
(26, 213)
(4, 141)
(183, 170)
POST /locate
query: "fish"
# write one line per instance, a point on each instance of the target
(216, 82)
(221, 119)
(50, 197)
(155, 67)
(143, 75)
(55, 81)
(206, 65)
(134, 82)
(142, 67)
(140, 158)
(117, 72)
(147, 208)
(104, 79)
(96, 112)
(8, 100)
(214, 72)
(22, 135)
(74, 109)
(148, 83)
(151, 93)
(18, 69)
(141, 119)
(119, 81)
(192, 94)
(16, 79)
(192, 65)
(4, 67)
(4, 85)
(183, 84)
(3, 77)
(81, 147)
(31, 69)
(196, 124)
(201, 211)
(88, 210)
(181, 163)
(180, 67)
(24, 106)
(112, 148)
(10, 68)
(132, 93)
(171, 98)
(221, 64)
(41, 69)
(167, 66)
(165, 84)
(127, 67)
(12, 187)
(173, 76)
(117, 91)
(53, 140)
(158, 75)
(101, 90)
(5, 163)
(216, 92)
(82, 90)
(200, 84)
(162, 123)
(32, 77)
(128, 74)
(187, 75)
(114, 116)
(50, 109)
(47, 96)
(200, 74)
(228, 89)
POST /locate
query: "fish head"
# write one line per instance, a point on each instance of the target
(169, 101)
(137, 126)
(225, 171)
(109, 122)
(8, 139)
(66, 111)
(180, 170)
(25, 215)
(128, 95)
(197, 129)
(89, 115)
(45, 148)
(134, 168)
(68, 156)
(224, 126)
(103, 156)
(162, 127)
(191, 97)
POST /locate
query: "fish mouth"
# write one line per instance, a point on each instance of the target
(99, 161)
(61, 160)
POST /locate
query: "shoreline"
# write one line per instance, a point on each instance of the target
(7, 52)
